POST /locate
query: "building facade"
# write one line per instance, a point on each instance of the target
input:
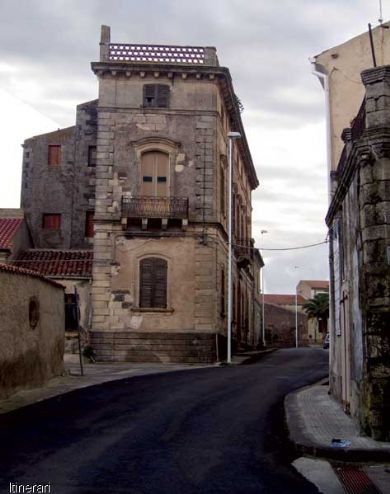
(359, 222)
(147, 165)
(358, 219)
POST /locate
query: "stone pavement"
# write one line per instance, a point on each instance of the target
(318, 427)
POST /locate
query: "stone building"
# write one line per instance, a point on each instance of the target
(142, 177)
(359, 222)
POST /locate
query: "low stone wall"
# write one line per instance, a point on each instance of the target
(31, 329)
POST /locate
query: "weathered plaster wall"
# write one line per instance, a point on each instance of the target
(343, 64)
(29, 356)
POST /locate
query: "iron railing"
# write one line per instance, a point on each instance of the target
(359, 122)
(243, 247)
(357, 128)
(155, 207)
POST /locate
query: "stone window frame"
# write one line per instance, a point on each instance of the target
(137, 284)
(157, 144)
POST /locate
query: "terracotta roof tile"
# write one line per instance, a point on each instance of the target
(58, 263)
(283, 299)
(8, 228)
(8, 268)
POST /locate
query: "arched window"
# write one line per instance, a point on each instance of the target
(153, 283)
(154, 174)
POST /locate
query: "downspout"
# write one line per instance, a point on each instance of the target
(319, 71)
(325, 83)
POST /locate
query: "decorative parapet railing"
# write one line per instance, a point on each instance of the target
(189, 55)
(155, 207)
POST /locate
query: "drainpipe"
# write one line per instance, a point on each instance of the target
(325, 83)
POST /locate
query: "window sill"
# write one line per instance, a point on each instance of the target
(153, 309)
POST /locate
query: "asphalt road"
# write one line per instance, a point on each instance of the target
(214, 430)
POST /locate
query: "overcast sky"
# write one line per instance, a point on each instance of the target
(45, 52)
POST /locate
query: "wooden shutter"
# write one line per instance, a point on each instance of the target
(156, 95)
(162, 96)
(149, 96)
(160, 287)
(51, 221)
(54, 154)
(153, 283)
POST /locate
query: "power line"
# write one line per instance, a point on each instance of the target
(297, 248)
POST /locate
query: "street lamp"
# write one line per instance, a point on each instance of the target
(231, 136)
(296, 314)
(262, 298)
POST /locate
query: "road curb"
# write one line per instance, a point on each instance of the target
(304, 446)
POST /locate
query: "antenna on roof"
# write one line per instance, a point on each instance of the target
(380, 20)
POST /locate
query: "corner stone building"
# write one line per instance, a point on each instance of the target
(143, 178)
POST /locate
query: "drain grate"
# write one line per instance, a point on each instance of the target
(355, 481)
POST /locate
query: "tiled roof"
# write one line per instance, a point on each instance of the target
(8, 228)
(283, 299)
(58, 263)
(16, 270)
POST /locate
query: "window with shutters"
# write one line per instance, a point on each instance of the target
(153, 283)
(51, 221)
(154, 170)
(156, 96)
(54, 155)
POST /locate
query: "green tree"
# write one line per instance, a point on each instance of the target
(318, 308)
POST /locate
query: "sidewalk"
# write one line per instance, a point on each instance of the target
(318, 426)
(99, 373)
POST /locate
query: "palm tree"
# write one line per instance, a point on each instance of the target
(318, 308)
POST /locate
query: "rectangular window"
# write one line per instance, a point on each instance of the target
(91, 155)
(156, 96)
(51, 221)
(153, 283)
(89, 231)
(54, 155)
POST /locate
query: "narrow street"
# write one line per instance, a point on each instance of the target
(214, 430)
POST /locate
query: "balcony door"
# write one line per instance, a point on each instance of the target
(154, 170)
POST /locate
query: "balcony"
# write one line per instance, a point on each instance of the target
(155, 208)
(243, 249)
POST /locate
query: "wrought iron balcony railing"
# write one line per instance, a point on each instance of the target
(243, 247)
(155, 207)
